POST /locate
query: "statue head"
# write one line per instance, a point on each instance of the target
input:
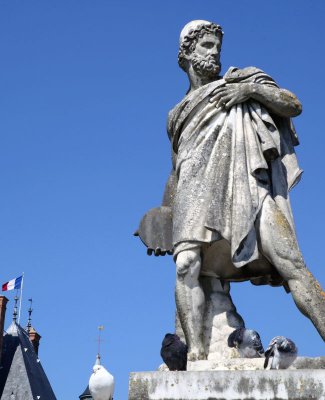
(200, 45)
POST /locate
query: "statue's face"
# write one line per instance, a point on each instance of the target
(205, 58)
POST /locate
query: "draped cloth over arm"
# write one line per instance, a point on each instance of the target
(227, 162)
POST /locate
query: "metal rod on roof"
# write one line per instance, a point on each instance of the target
(30, 310)
(100, 329)
(21, 296)
(14, 316)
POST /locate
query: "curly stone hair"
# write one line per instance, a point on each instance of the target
(190, 40)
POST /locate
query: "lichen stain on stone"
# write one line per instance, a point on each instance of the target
(245, 385)
(262, 383)
(282, 222)
(218, 387)
(312, 391)
(318, 286)
(287, 96)
(139, 389)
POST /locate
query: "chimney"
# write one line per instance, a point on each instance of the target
(35, 338)
(3, 303)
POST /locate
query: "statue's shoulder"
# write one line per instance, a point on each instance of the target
(174, 114)
(249, 74)
(180, 112)
(235, 73)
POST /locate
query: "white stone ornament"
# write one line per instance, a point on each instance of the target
(101, 382)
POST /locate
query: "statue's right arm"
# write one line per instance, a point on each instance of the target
(279, 101)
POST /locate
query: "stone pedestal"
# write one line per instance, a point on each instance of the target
(228, 385)
(304, 380)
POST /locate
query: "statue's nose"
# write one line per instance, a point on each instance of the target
(214, 52)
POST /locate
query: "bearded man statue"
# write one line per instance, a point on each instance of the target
(226, 213)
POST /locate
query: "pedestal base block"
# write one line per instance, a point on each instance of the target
(300, 384)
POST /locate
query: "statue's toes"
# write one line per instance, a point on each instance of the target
(196, 355)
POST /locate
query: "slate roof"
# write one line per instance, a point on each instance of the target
(21, 372)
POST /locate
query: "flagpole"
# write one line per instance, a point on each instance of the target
(21, 296)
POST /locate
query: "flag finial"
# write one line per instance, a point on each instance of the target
(30, 310)
(15, 313)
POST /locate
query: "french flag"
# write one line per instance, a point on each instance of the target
(13, 284)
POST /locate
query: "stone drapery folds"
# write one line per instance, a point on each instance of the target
(226, 163)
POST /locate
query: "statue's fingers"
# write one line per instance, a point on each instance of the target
(228, 97)
(163, 252)
(170, 252)
(220, 104)
(216, 95)
(157, 252)
(230, 103)
(214, 98)
(225, 97)
(149, 252)
(222, 101)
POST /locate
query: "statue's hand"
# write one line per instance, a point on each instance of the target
(156, 231)
(158, 252)
(231, 93)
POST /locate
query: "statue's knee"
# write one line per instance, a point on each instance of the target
(187, 262)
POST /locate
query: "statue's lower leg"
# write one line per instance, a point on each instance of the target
(190, 301)
(279, 244)
(310, 299)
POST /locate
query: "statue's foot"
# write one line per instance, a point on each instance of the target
(196, 355)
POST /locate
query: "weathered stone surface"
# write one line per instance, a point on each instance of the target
(245, 364)
(224, 385)
(240, 364)
(220, 319)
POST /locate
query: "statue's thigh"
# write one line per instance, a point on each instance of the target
(277, 240)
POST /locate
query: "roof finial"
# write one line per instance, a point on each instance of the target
(100, 329)
(15, 313)
(30, 310)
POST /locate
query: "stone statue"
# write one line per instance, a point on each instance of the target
(226, 213)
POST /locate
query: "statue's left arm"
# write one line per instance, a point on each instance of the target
(278, 101)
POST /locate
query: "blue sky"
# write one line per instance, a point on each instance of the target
(85, 87)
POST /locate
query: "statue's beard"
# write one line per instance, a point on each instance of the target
(206, 66)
